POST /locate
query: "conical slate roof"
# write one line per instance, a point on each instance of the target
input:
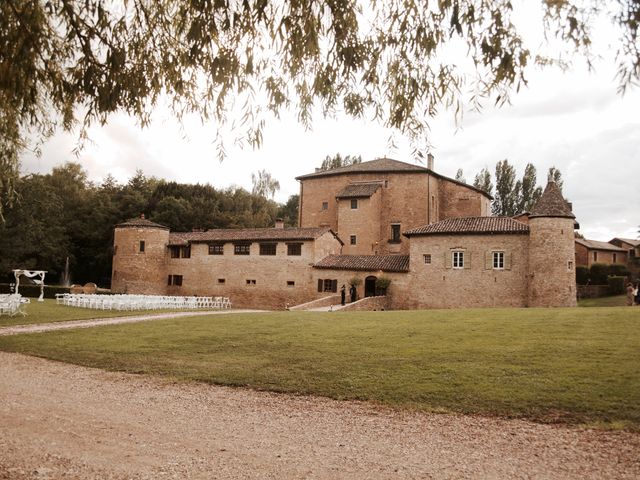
(552, 204)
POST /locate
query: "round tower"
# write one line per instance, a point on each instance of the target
(552, 276)
(139, 257)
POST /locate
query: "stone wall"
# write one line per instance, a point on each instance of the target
(438, 285)
(367, 304)
(459, 201)
(409, 199)
(134, 271)
(552, 275)
(320, 302)
(363, 222)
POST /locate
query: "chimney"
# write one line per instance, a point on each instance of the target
(279, 223)
(430, 161)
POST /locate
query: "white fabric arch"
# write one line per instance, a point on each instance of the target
(31, 274)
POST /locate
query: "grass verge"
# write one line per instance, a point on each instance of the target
(48, 311)
(550, 365)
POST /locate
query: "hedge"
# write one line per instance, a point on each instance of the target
(616, 284)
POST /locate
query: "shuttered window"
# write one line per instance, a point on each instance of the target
(327, 285)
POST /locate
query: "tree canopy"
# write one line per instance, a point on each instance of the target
(337, 161)
(62, 214)
(63, 59)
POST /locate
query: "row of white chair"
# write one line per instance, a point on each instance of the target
(12, 304)
(141, 302)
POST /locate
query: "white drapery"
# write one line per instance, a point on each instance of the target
(31, 274)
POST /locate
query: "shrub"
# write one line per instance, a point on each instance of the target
(582, 275)
(355, 281)
(599, 273)
(382, 283)
(618, 270)
(616, 284)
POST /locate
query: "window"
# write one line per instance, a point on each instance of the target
(250, 282)
(569, 265)
(395, 233)
(180, 252)
(325, 205)
(291, 283)
(175, 280)
(216, 249)
(221, 280)
(595, 256)
(615, 257)
(386, 184)
(294, 249)
(141, 246)
(354, 204)
(427, 258)
(458, 259)
(241, 248)
(267, 249)
(498, 260)
(327, 285)
(353, 240)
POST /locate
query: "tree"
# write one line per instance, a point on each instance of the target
(460, 176)
(555, 176)
(337, 161)
(526, 191)
(483, 181)
(505, 198)
(264, 185)
(60, 58)
(289, 211)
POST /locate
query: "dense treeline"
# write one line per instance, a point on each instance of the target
(62, 214)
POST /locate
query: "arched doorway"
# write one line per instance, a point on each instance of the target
(370, 286)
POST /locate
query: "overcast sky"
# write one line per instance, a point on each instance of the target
(574, 121)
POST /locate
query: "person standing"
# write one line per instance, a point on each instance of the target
(353, 293)
(637, 292)
(343, 295)
(631, 292)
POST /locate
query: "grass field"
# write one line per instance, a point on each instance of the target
(615, 301)
(559, 365)
(48, 311)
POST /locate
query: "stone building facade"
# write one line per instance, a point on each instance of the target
(589, 252)
(432, 237)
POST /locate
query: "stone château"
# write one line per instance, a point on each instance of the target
(431, 236)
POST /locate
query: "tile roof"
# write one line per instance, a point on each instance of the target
(630, 241)
(596, 245)
(248, 235)
(140, 222)
(358, 190)
(471, 225)
(385, 165)
(368, 263)
(552, 203)
(373, 166)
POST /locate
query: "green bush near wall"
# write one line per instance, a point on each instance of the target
(599, 273)
(616, 284)
(582, 275)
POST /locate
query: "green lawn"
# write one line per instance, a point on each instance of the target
(48, 311)
(566, 365)
(615, 301)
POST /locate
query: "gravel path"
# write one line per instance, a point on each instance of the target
(65, 421)
(47, 327)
